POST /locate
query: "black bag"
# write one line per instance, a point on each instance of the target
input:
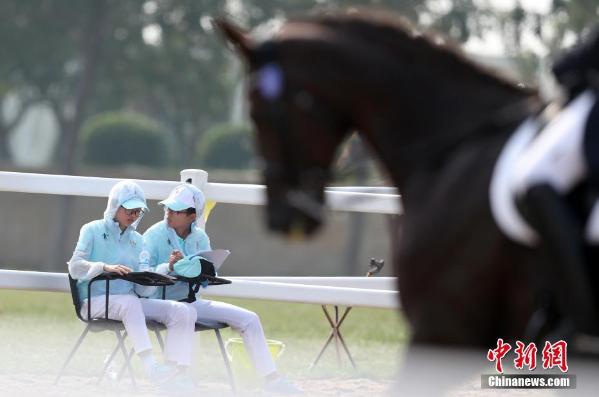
(207, 277)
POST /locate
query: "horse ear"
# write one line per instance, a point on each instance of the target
(236, 36)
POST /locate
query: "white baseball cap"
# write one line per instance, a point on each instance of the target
(134, 202)
(180, 199)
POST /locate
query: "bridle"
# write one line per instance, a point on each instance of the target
(271, 84)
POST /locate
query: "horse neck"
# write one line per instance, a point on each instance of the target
(404, 130)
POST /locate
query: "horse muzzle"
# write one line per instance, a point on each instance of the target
(295, 213)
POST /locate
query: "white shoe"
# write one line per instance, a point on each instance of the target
(161, 373)
(180, 384)
(282, 385)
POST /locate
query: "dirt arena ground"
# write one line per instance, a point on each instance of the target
(35, 385)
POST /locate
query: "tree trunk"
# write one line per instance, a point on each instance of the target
(90, 50)
(6, 127)
(5, 154)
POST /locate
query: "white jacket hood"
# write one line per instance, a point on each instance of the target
(128, 194)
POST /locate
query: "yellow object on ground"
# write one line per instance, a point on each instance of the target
(244, 372)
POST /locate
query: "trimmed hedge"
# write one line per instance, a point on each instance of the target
(124, 138)
(226, 146)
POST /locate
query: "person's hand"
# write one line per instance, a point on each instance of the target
(118, 269)
(176, 256)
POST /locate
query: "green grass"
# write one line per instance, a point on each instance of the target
(38, 329)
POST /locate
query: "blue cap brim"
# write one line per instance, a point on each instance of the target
(134, 203)
(174, 205)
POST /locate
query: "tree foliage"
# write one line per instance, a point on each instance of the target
(226, 146)
(124, 138)
(162, 57)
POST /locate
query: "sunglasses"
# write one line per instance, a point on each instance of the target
(134, 211)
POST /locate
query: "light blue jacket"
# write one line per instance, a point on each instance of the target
(160, 240)
(101, 242)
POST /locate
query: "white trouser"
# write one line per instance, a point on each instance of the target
(178, 317)
(247, 323)
(557, 157)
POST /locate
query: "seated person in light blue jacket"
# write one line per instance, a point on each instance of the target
(179, 236)
(113, 245)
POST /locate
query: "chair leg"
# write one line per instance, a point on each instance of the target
(160, 341)
(121, 339)
(226, 359)
(107, 363)
(73, 351)
(124, 366)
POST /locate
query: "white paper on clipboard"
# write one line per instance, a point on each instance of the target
(217, 257)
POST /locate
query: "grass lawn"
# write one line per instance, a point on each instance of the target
(37, 329)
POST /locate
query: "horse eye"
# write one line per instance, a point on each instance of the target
(303, 100)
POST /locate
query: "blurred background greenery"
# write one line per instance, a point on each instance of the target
(70, 62)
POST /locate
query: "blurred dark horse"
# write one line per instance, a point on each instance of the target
(436, 121)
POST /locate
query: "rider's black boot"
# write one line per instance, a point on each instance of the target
(561, 237)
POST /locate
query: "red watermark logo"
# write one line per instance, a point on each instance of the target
(553, 355)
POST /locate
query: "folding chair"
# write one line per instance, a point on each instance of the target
(104, 324)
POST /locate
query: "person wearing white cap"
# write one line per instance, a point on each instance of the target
(181, 234)
(113, 245)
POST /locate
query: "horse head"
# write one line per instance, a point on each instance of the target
(290, 115)
(409, 95)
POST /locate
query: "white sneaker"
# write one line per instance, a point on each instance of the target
(179, 384)
(282, 385)
(161, 373)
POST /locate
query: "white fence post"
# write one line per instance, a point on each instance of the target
(198, 178)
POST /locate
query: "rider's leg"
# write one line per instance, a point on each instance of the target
(561, 237)
(551, 168)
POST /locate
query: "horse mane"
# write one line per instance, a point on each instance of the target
(396, 33)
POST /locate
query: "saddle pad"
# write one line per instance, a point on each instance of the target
(501, 192)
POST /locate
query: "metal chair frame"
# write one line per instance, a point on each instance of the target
(104, 324)
(198, 328)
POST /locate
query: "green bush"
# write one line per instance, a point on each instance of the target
(124, 138)
(227, 146)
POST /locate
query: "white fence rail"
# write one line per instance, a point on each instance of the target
(337, 198)
(372, 292)
(349, 291)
